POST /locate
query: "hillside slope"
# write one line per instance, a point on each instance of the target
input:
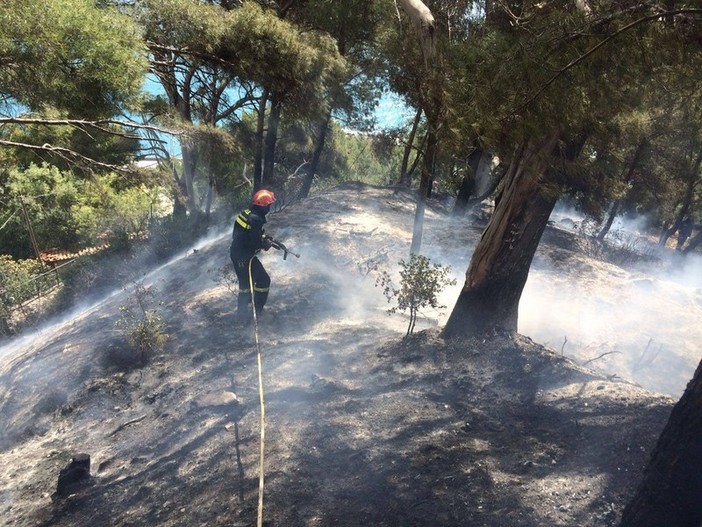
(363, 427)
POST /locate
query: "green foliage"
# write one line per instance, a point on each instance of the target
(142, 325)
(359, 157)
(68, 212)
(41, 197)
(69, 54)
(20, 281)
(420, 284)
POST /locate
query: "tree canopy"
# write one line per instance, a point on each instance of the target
(69, 55)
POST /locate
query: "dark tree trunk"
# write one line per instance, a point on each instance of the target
(258, 141)
(467, 188)
(685, 204)
(670, 494)
(318, 148)
(694, 243)
(613, 212)
(628, 177)
(405, 173)
(684, 233)
(270, 143)
(500, 264)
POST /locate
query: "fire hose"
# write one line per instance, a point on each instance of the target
(279, 246)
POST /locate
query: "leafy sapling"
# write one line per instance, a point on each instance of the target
(420, 285)
(143, 326)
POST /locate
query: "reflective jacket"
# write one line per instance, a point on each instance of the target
(248, 234)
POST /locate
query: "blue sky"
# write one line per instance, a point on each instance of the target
(392, 111)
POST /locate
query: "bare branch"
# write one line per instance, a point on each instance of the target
(98, 125)
(68, 154)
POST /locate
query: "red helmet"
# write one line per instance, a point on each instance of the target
(263, 197)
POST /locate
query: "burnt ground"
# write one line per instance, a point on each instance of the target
(363, 427)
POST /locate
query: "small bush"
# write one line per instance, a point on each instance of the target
(420, 284)
(144, 327)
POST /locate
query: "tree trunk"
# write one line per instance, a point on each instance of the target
(613, 212)
(188, 176)
(500, 264)
(318, 148)
(423, 21)
(671, 491)
(628, 177)
(695, 242)
(258, 141)
(686, 202)
(270, 143)
(405, 174)
(424, 186)
(467, 188)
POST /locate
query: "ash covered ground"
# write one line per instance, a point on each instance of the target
(364, 427)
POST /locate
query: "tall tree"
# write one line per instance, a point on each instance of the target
(548, 128)
(215, 61)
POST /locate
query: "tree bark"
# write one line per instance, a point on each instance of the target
(188, 177)
(685, 203)
(318, 148)
(268, 178)
(423, 21)
(670, 493)
(467, 188)
(258, 141)
(500, 264)
(628, 177)
(694, 242)
(405, 174)
(613, 212)
(424, 185)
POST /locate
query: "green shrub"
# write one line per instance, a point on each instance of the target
(143, 326)
(420, 284)
(20, 281)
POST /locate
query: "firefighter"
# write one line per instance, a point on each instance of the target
(248, 238)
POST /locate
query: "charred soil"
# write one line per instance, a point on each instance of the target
(363, 426)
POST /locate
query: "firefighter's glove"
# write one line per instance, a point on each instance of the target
(267, 243)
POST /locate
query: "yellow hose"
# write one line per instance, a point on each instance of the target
(261, 403)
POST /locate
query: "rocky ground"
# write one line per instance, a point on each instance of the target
(363, 427)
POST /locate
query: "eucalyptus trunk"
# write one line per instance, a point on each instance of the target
(500, 264)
